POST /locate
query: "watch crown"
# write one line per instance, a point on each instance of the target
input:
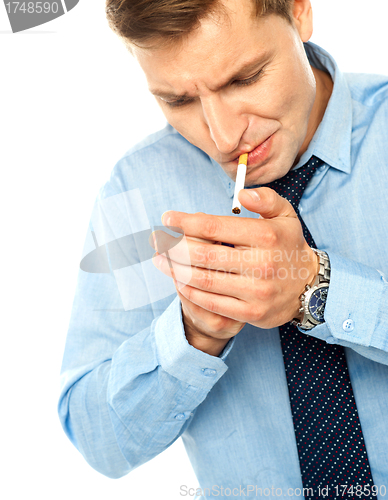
(301, 309)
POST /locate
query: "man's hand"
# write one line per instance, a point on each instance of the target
(259, 281)
(205, 330)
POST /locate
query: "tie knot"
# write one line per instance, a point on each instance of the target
(293, 184)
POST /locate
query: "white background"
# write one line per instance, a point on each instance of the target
(72, 101)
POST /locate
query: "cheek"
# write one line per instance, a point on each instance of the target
(301, 85)
(294, 100)
(271, 98)
(285, 93)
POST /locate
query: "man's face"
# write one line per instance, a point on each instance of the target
(237, 84)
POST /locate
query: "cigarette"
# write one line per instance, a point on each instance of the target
(240, 182)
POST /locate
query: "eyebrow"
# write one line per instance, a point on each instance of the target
(247, 68)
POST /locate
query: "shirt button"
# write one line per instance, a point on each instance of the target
(208, 372)
(348, 325)
(330, 340)
(180, 416)
(300, 209)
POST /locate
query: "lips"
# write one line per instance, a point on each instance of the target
(259, 154)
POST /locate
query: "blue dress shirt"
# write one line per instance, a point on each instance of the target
(130, 382)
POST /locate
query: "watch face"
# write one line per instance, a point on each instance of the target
(317, 303)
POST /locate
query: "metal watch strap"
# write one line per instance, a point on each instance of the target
(322, 279)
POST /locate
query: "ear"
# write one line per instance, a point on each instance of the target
(302, 14)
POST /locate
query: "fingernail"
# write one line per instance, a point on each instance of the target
(179, 285)
(254, 195)
(165, 219)
(154, 241)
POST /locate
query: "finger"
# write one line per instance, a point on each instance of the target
(240, 259)
(203, 313)
(205, 255)
(162, 241)
(172, 270)
(218, 282)
(197, 312)
(227, 229)
(266, 202)
(194, 251)
(206, 322)
(222, 305)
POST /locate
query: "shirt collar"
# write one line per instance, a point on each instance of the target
(332, 139)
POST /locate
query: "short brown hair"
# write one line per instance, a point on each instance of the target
(142, 21)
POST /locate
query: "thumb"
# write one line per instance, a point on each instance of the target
(266, 202)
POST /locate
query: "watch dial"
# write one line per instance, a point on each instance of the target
(317, 304)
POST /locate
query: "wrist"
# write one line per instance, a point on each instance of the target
(313, 299)
(205, 343)
(314, 268)
(312, 277)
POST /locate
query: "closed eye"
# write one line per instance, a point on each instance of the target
(178, 103)
(250, 80)
(239, 83)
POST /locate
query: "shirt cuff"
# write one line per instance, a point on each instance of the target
(352, 308)
(180, 359)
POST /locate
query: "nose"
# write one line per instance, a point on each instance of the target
(225, 124)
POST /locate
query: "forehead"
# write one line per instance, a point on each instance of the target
(221, 45)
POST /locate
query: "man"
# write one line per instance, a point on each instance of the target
(210, 362)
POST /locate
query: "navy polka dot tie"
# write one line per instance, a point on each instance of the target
(327, 427)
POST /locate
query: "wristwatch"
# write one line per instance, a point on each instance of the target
(313, 299)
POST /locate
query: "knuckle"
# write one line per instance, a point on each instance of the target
(211, 306)
(219, 324)
(209, 256)
(256, 314)
(273, 195)
(257, 273)
(211, 228)
(269, 194)
(206, 281)
(201, 254)
(264, 292)
(264, 271)
(270, 237)
(269, 270)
